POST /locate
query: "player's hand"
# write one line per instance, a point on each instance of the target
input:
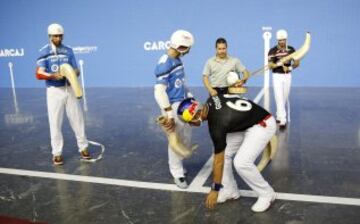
(169, 124)
(239, 83)
(57, 76)
(211, 199)
(213, 92)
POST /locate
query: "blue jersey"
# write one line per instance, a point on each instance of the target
(51, 61)
(170, 72)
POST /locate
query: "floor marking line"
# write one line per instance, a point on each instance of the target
(172, 187)
(203, 174)
(259, 95)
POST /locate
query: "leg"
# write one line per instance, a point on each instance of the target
(76, 119)
(287, 87)
(230, 189)
(278, 84)
(255, 140)
(233, 142)
(55, 97)
(184, 132)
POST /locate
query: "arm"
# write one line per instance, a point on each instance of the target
(218, 167)
(246, 75)
(163, 101)
(207, 85)
(295, 64)
(271, 59)
(206, 81)
(239, 67)
(42, 75)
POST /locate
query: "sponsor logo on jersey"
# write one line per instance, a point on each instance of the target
(84, 49)
(12, 52)
(156, 45)
(217, 102)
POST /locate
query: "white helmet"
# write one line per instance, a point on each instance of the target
(181, 38)
(281, 35)
(55, 29)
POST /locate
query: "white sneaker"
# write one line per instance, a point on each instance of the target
(181, 182)
(263, 203)
(224, 196)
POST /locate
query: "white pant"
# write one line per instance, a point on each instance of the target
(183, 131)
(247, 146)
(282, 85)
(58, 100)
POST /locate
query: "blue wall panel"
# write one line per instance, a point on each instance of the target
(115, 33)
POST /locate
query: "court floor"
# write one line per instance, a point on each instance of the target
(316, 172)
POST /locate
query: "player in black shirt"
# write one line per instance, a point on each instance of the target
(238, 127)
(281, 75)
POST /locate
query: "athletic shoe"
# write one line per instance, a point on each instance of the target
(224, 196)
(263, 203)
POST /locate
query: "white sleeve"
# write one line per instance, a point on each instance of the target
(162, 98)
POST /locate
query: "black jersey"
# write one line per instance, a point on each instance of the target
(275, 54)
(231, 113)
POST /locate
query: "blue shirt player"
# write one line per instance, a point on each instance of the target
(169, 91)
(60, 97)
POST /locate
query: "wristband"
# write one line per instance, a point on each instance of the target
(216, 186)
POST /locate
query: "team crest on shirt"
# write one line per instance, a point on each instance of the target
(54, 68)
(178, 83)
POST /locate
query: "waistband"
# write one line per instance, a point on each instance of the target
(263, 121)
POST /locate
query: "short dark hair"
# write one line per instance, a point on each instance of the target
(220, 40)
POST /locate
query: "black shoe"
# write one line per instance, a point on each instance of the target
(282, 127)
(58, 160)
(85, 154)
(181, 182)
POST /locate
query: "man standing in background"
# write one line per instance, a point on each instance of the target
(217, 68)
(281, 75)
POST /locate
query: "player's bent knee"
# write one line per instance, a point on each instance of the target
(241, 165)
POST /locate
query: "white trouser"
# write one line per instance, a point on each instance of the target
(58, 100)
(183, 131)
(247, 146)
(282, 85)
